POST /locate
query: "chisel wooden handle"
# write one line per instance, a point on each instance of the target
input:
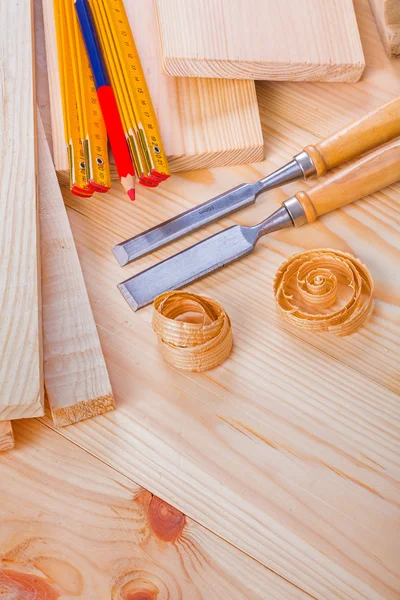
(368, 132)
(368, 175)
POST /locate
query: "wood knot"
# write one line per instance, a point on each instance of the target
(139, 589)
(15, 585)
(166, 521)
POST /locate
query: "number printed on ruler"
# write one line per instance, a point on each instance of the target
(93, 131)
(98, 152)
(143, 106)
(76, 155)
(123, 93)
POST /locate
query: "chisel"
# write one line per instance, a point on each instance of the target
(368, 175)
(367, 133)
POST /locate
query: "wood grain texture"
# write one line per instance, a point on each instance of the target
(75, 374)
(369, 131)
(283, 451)
(260, 39)
(71, 527)
(387, 15)
(392, 12)
(41, 73)
(6, 436)
(20, 337)
(291, 449)
(203, 122)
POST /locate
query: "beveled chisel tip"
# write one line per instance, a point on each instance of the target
(121, 255)
(128, 297)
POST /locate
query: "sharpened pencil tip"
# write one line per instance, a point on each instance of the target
(131, 194)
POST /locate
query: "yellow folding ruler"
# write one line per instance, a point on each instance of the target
(85, 133)
(130, 88)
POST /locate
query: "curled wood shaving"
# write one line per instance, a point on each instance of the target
(194, 331)
(324, 290)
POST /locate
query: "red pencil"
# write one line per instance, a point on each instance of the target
(107, 101)
(116, 135)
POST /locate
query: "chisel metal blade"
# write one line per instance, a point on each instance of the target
(189, 221)
(198, 260)
(225, 204)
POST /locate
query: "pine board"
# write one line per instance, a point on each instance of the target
(387, 15)
(75, 374)
(203, 123)
(290, 450)
(260, 39)
(85, 531)
(300, 472)
(20, 338)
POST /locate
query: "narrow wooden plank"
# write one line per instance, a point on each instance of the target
(6, 436)
(387, 15)
(260, 39)
(83, 530)
(20, 338)
(203, 123)
(75, 374)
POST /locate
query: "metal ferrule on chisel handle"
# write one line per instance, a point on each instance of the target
(368, 175)
(225, 204)
(366, 133)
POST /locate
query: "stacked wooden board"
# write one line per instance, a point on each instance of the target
(20, 328)
(387, 15)
(261, 39)
(203, 122)
(75, 374)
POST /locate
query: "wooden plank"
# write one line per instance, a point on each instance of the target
(387, 15)
(72, 525)
(260, 39)
(203, 123)
(282, 451)
(6, 436)
(290, 450)
(75, 374)
(20, 338)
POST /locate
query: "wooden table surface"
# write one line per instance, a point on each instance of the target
(283, 464)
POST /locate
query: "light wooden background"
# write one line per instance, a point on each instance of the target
(290, 451)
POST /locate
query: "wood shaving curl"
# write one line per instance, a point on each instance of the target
(324, 290)
(194, 331)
